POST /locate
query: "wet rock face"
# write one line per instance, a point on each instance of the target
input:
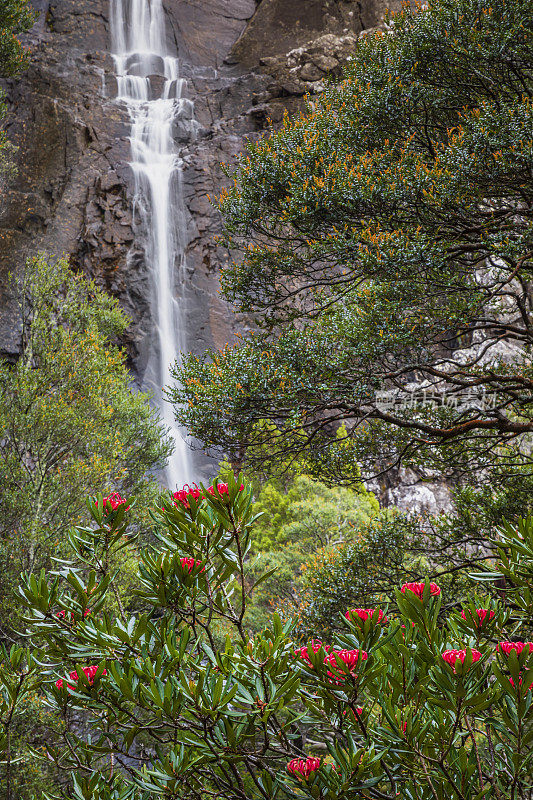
(68, 137)
(279, 26)
(302, 70)
(206, 30)
(416, 492)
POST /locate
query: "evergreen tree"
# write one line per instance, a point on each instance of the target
(387, 255)
(69, 422)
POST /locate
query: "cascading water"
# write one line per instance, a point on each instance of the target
(150, 86)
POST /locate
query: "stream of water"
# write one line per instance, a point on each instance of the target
(150, 86)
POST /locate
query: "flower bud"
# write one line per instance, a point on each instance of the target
(482, 615)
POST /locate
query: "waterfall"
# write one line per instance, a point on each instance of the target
(150, 87)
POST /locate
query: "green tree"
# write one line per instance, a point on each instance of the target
(408, 703)
(293, 521)
(16, 16)
(309, 513)
(355, 553)
(359, 572)
(69, 420)
(386, 240)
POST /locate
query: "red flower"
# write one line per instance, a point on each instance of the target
(189, 564)
(481, 614)
(303, 767)
(365, 613)
(349, 658)
(62, 614)
(418, 589)
(506, 647)
(451, 656)
(222, 489)
(89, 672)
(182, 495)
(303, 652)
(114, 500)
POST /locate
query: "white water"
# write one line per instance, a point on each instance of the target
(139, 53)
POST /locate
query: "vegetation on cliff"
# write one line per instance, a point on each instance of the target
(16, 16)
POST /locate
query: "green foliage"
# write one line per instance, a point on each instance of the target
(20, 706)
(171, 715)
(360, 572)
(69, 421)
(332, 548)
(33, 725)
(309, 513)
(16, 16)
(293, 521)
(280, 588)
(479, 509)
(383, 233)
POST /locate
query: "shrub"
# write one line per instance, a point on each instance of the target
(419, 705)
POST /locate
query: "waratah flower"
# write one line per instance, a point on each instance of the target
(348, 658)
(506, 647)
(481, 616)
(222, 489)
(182, 495)
(62, 614)
(89, 672)
(303, 652)
(303, 767)
(451, 656)
(364, 614)
(418, 589)
(113, 501)
(189, 564)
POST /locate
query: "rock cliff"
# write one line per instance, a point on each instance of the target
(245, 61)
